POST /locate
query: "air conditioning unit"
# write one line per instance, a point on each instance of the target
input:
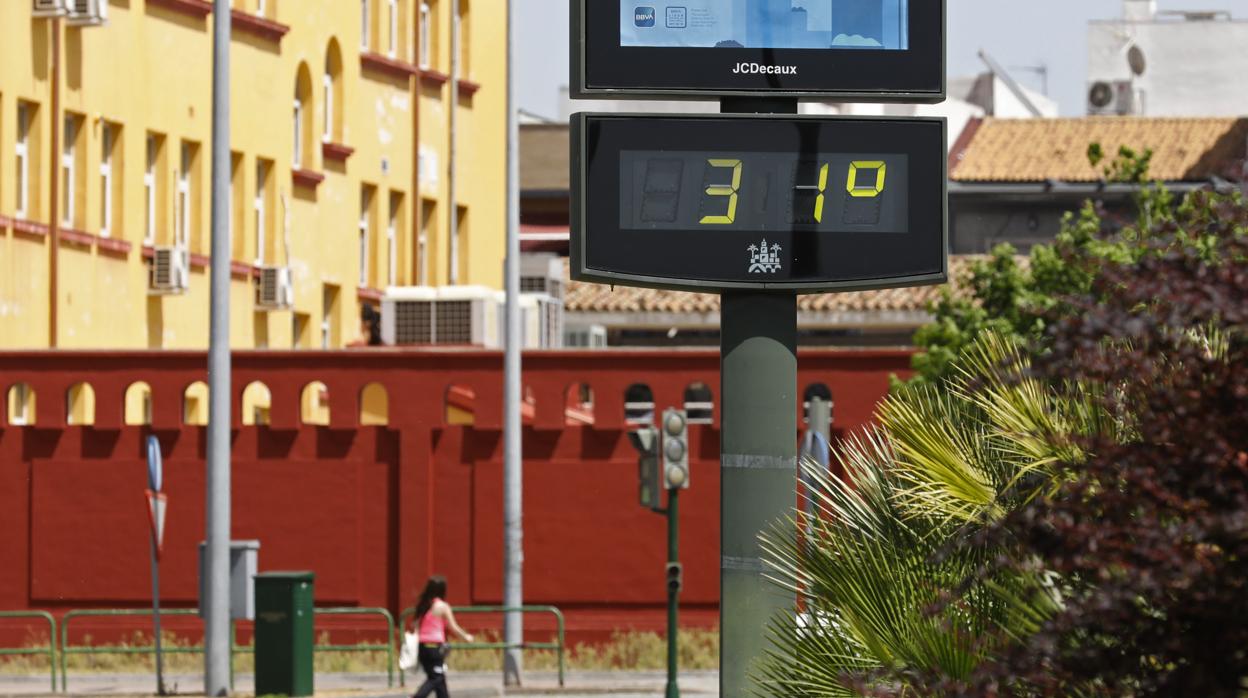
(453, 315)
(171, 271)
(92, 13)
(541, 321)
(542, 273)
(1111, 98)
(50, 8)
(275, 289)
(585, 337)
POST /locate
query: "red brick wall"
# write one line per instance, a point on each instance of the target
(374, 510)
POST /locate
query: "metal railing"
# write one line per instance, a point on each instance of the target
(352, 611)
(557, 645)
(50, 650)
(68, 649)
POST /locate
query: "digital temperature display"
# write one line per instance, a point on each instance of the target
(816, 192)
(783, 202)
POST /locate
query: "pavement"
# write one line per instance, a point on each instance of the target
(620, 684)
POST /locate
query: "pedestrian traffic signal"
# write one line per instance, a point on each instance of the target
(675, 449)
(649, 489)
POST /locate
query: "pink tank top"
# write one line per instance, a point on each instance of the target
(432, 628)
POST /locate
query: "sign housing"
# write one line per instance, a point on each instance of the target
(721, 202)
(872, 51)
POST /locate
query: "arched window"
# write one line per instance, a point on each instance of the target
(302, 126)
(21, 405)
(816, 391)
(639, 404)
(331, 84)
(374, 405)
(699, 404)
(314, 404)
(138, 407)
(80, 404)
(256, 402)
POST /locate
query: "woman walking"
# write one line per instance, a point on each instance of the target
(433, 616)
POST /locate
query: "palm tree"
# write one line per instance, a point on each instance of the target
(884, 601)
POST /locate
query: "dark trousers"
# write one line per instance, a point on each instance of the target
(432, 661)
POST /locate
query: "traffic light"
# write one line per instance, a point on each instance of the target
(675, 574)
(649, 489)
(675, 449)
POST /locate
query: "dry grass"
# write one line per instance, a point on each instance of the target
(699, 649)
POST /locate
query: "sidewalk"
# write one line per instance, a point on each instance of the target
(621, 684)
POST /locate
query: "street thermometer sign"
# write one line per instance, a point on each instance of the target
(713, 203)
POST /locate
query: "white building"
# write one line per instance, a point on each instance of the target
(1154, 63)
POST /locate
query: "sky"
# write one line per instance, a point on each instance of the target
(1017, 33)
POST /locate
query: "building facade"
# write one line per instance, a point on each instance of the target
(343, 178)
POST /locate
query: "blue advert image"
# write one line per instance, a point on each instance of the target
(768, 24)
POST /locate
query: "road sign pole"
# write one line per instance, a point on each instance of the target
(160, 669)
(758, 447)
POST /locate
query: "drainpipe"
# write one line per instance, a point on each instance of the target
(418, 204)
(54, 236)
(452, 205)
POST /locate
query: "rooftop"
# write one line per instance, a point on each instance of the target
(1039, 150)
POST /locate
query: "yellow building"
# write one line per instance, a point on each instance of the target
(341, 166)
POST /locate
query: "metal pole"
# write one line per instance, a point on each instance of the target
(513, 463)
(54, 217)
(758, 446)
(819, 416)
(160, 667)
(673, 556)
(216, 600)
(452, 204)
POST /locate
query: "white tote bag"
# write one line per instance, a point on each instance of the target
(409, 651)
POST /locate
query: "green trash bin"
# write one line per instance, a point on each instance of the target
(284, 633)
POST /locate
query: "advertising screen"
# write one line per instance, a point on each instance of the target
(766, 24)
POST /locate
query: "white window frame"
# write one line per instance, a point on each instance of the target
(296, 159)
(327, 133)
(182, 198)
(392, 245)
(426, 33)
(363, 235)
(19, 409)
(422, 247)
(260, 209)
(106, 179)
(23, 160)
(261, 7)
(394, 28)
(69, 155)
(364, 28)
(149, 191)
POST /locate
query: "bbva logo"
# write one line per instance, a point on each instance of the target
(644, 16)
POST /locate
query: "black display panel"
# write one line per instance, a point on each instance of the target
(869, 50)
(782, 202)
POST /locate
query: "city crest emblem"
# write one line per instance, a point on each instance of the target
(764, 259)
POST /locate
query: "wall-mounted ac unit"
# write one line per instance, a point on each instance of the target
(1111, 98)
(87, 12)
(541, 321)
(453, 315)
(585, 337)
(170, 272)
(542, 273)
(50, 8)
(275, 289)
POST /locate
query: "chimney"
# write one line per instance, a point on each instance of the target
(1139, 10)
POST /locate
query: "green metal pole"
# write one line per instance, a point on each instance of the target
(758, 478)
(673, 555)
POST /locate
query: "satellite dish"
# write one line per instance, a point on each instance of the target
(1101, 95)
(1135, 59)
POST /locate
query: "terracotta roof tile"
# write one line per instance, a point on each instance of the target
(582, 297)
(1036, 150)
